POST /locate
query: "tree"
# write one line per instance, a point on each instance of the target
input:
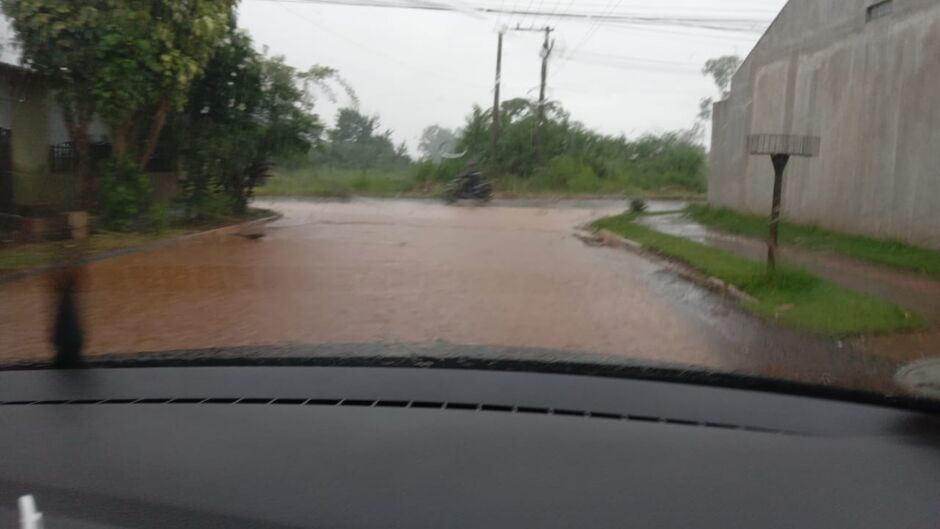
(436, 141)
(131, 62)
(58, 40)
(514, 150)
(247, 110)
(319, 78)
(354, 142)
(577, 158)
(721, 70)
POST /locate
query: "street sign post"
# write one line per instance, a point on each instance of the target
(780, 147)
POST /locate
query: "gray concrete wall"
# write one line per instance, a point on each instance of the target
(870, 90)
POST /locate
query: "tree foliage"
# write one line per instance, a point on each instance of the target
(721, 70)
(579, 159)
(355, 142)
(247, 110)
(437, 141)
(129, 61)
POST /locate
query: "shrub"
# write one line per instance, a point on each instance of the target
(215, 204)
(567, 173)
(125, 195)
(159, 217)
(638, 205)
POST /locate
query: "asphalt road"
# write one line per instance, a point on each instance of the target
(508, 280)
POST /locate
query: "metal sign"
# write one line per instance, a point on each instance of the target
(807, 146)
(780, 147)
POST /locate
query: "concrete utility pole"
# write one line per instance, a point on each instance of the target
(494, 134)
(780, 147)
(547, 48)
(540, 123)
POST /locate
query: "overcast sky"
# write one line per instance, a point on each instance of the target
(417, 68)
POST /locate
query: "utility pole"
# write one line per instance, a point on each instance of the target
(494, 134)
(547, 47)
(540, 123)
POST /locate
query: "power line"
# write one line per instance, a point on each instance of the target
(528, 10)
(374, 50)
(713, 23)
(587, 36)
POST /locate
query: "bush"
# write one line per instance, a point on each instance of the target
(424, 172)
(428, 173)
(638, 205)
(125, 195)
(566, 173)
(159, 217)
(214, 204)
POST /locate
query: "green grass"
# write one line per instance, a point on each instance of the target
(512, 185)
(30, 255)
(792, 296)
(345, 183)
(23, 256)
(888, 253)
(342, 183)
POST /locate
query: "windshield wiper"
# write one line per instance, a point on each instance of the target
(68, 333)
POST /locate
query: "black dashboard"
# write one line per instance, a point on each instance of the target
(365, 447)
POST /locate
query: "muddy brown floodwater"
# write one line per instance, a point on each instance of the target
(418, 272)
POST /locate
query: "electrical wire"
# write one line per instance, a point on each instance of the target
(712, 23)
(377, 51)
(590, 33)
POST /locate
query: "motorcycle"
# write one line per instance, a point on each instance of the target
(469, 186)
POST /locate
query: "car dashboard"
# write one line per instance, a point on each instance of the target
(261, 446)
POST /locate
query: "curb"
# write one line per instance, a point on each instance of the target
(613, 240)
(231, 229)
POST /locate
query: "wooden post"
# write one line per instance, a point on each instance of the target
(780, 165)
(780, 147)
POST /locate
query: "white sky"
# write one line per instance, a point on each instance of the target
(418, 68)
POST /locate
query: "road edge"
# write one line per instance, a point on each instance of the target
(230, 229)
(612, 240)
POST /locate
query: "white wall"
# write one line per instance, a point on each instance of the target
(870, 90)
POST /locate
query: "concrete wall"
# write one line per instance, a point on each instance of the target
(870, 90)
(33, 184)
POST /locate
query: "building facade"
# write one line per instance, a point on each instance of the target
(864, 76)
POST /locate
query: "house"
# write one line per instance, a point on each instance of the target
(864, 76)
(37, 162)
(37, 169)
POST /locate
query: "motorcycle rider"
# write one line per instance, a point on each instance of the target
(470, 184)
(472, 178)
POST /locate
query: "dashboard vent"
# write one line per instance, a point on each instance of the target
(405, 404)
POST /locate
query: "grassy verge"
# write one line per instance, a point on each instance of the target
(342, 183)
(791, 296)
(30, 255)
(888, 253)
(512, 185)
(16, 257)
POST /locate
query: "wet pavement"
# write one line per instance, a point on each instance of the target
(507, 279)
(911, 291)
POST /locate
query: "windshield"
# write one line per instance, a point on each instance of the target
(733, 187)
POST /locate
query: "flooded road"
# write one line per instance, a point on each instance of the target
(508, 277)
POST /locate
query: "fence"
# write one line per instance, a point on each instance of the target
(63, 157)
